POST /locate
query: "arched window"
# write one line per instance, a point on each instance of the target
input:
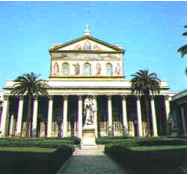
(55, 69)
(65, 69)
(87, 69)
(109, 69)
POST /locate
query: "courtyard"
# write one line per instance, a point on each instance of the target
(114, 155)
(93, 88)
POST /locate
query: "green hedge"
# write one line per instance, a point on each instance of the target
(39, 142)
(27, 162)
(160, 141)
(149, 159)
(116, 139)
(141, 141)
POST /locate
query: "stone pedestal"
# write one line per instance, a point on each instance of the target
(88, 137)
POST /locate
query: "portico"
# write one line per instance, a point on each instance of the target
(80, 68)
(130, 122)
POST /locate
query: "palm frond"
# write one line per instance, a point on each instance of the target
(145, 83)
(29, 84)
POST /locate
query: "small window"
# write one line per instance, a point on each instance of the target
(87, 69)
(109, 69)
(65, 69)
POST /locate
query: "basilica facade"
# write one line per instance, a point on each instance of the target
(81, 69)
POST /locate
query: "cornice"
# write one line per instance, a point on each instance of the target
(55, 48)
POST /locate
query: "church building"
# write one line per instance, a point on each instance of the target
(84, 69)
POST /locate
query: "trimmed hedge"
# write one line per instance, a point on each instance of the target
(141, 140)
(59, 157)
(149, 159)
(160, 141)
(16, 162)
(39, 142)
(115, 139)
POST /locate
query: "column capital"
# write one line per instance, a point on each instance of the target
(167, 97)
(109, 97)
(138, 97)
(124, 97)
(50, 97)
(21, 97)
(65, 97)
(5, 97)
(79, 97)
(35, 97)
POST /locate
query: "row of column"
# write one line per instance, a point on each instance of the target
(80, 112)
(139, 114)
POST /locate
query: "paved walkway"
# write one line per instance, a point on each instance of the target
(90, 161)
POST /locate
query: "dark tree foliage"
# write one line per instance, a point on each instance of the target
(31, 86)
(145, 84)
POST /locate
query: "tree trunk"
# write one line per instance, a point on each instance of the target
(148, 116)
(29, 117)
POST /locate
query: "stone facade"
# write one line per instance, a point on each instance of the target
(80, 68)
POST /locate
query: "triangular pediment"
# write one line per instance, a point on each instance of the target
(86, 43)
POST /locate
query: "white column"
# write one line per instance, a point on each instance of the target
(20, 114)
(65, 112)
(35, 114)
(154, 119)
(139, 115)
(50, 112)
(11, 129)
(167, 107)
(80, 116)
(95, 116)
(4, 115)
(183, 120)
(124, 111)
(110, 114)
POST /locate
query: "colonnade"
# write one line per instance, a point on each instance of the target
(80, 115)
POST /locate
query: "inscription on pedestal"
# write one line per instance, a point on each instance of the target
(88, 137)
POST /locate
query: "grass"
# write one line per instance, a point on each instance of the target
(30, 156)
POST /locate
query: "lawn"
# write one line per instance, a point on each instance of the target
(148, 155)
(29, 156)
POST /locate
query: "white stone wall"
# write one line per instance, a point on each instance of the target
(93, 64)
(87, 51)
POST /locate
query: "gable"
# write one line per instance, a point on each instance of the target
(86, 43)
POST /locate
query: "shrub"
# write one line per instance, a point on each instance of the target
(160, 141)
(116, 139)
(146, 159)
(31, 162)
(40, 142)
(59, 157)
(149, 141)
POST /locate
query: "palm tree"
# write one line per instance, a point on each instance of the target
(30, 86)
(145, 84)
(183, 49)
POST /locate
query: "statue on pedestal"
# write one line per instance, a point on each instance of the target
(90, 107)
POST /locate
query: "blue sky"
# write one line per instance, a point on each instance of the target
(150, 32)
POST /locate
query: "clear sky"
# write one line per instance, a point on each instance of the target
(150, 32)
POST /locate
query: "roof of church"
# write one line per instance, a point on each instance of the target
(56, 47)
